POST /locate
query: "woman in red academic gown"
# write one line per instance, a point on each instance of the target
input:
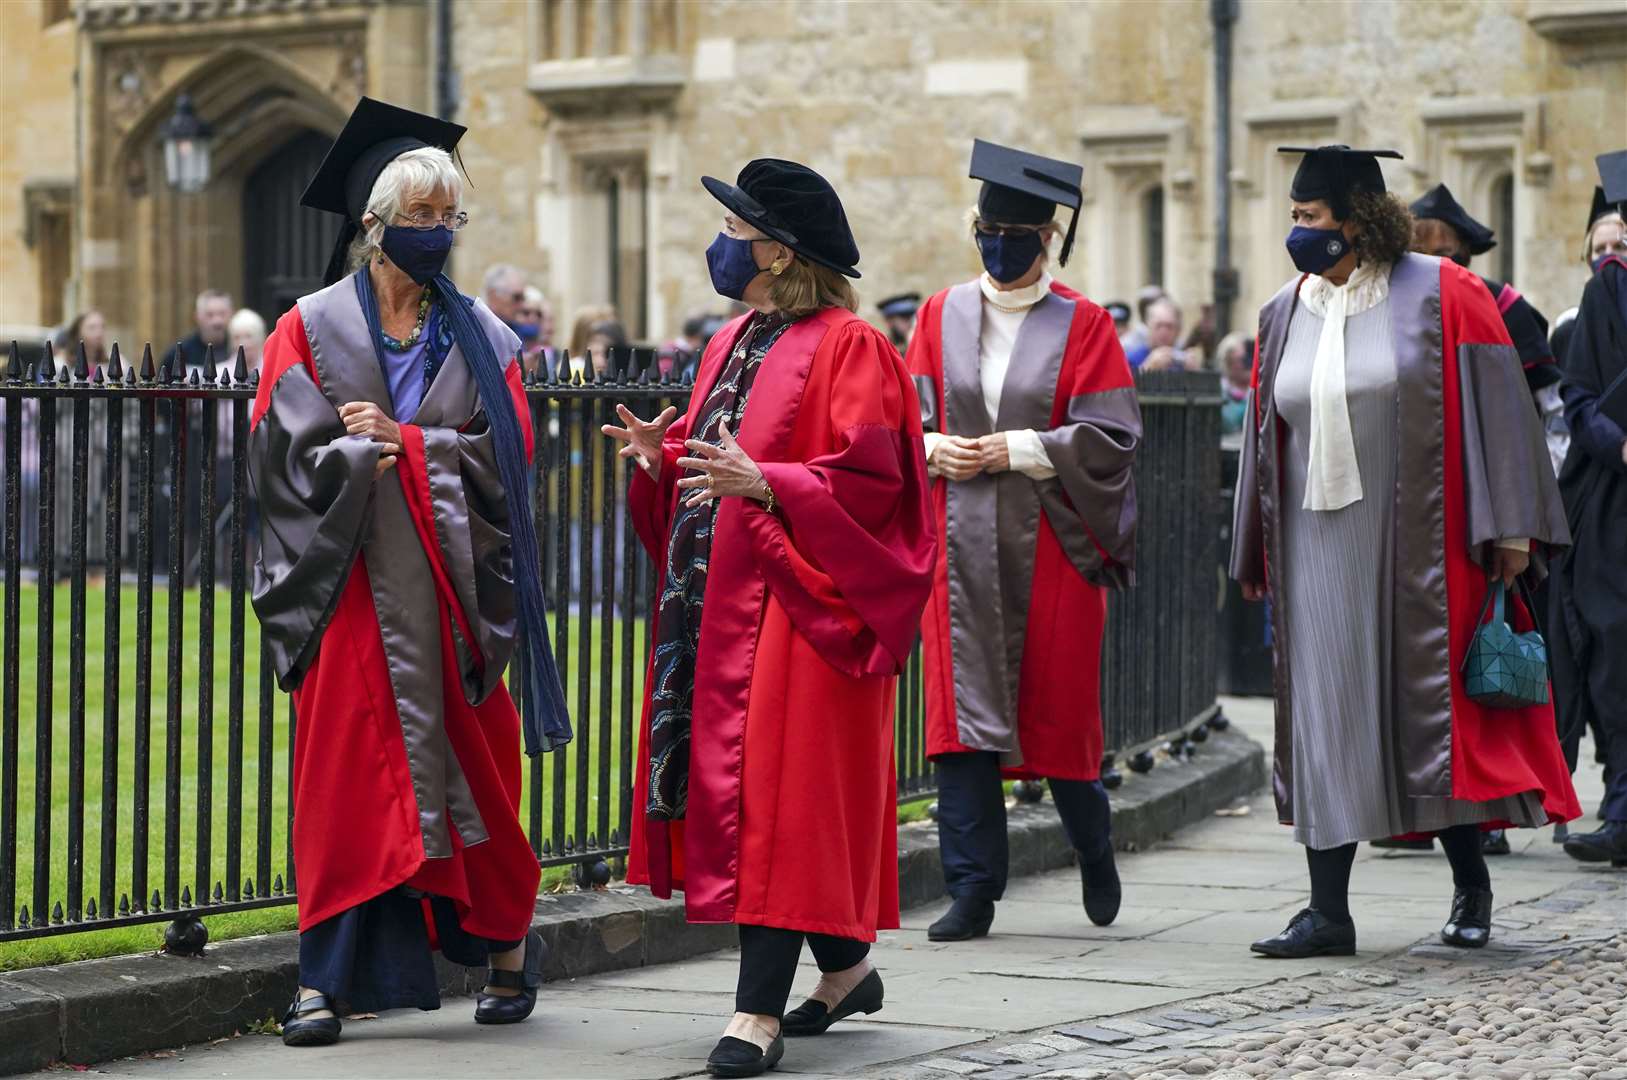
(1031, 430)
(389, 438)
(1393, 471)
(787, 516)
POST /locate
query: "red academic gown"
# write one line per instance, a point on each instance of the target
(357, 828)
(1473, 468)
(809, 614)
(1054, 546)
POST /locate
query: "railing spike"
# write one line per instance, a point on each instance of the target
(276, 887)
(166, 370)
(254, 377)
(90, 908)
(593, 841)
(14, 362)
(240, 372)
(81, 370)
(192, 377)
(115, 365)
(124, 904)
(22, 916)
(225, 378)
(48, 362)
(209, 363)
(186, 896)
(147, 371)
(248, 888)
(130, 375)
(157, 902)
(96, 376)
(64, 375)
(547, 848)
(33, 371)
(220, 894)
(56, 914)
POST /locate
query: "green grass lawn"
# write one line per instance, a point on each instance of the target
(587, 750)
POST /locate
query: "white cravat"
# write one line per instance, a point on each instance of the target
(1333, 478)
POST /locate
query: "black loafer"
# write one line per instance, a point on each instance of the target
(299, 1028)
(1470, 924)
(737, 1057)
(1608, 844)
(812, 1018)
(966, 918)
(1495, 842)
(1103, 898)
(1310, 933)
(1426, 844)
(512, 1008)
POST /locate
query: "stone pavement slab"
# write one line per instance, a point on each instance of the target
(1172, 984)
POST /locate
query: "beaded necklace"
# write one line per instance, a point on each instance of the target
(418, 328)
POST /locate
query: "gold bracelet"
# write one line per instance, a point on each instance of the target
(769, 502)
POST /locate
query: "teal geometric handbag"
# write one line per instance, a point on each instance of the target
(1505, 669)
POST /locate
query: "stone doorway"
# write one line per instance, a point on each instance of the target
(285, 245)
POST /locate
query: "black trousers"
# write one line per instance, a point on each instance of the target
(768, 964)
(972, 822)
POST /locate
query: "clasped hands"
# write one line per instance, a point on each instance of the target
(367, 419)
(722, 470)
(961, 458)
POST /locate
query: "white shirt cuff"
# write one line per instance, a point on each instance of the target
(1028, 455)
(1516, 543)
(931, 439)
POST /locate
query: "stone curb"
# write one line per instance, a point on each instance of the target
(96, 1010)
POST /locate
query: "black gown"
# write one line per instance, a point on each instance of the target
(1588, 613)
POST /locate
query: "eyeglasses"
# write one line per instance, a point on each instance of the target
(989, 228)
(423, 219)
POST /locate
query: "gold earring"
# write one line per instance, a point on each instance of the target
(777, 268)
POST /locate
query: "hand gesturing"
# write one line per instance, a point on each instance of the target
(724, 470)
(642, 441)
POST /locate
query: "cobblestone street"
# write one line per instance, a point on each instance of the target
(1170, 990)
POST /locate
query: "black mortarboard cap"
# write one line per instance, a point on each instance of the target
(902, 304)
(376, 134)
(1333, 173)
(1611, 197)
(1437, 204)
(1020, 188)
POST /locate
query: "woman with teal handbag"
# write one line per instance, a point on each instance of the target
(1392, 465)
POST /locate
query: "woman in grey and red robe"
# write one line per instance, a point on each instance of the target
(1393, 471)
(389, 438)
(1031, 429)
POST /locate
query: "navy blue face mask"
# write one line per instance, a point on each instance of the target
(1008, 256)
(418, 253)
(526, 331)
(1598, 264)
(1316, 250)
(732, 264)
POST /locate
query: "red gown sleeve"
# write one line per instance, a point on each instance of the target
(850, 552)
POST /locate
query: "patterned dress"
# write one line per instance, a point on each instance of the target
(678, 623)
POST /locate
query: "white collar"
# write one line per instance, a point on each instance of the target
(1015, 299)
(1366, 288)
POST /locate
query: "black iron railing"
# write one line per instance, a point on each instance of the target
(125, 489)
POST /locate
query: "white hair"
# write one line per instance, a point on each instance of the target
(416, 174)
(498, 273)
(246, 321)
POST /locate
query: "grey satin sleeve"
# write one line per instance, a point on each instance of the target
(1247, 563)
(926, 389)
(1509, 482)
(472, 527)
(1093, 452)
(314, 486)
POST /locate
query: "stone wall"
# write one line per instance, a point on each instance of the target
(594, 116)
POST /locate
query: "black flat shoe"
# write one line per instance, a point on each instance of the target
(1426, 844)
(1310, 933)
(967, 918)
(812, 1018)
(1495, 842)
(299, 1028)
(737, 1057)
(511, 1009)
(1608, 844)
(1103, 898)
(1470, 924)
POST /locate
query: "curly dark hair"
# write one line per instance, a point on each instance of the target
(1383, 226)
